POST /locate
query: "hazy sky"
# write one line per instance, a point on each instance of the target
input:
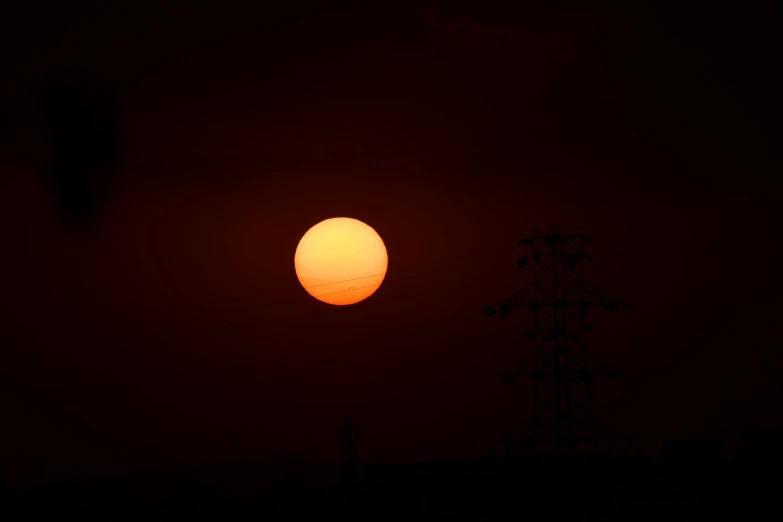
(173, 328)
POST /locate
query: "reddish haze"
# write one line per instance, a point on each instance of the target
(175, 329)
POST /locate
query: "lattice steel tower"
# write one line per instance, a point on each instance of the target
(562, 366)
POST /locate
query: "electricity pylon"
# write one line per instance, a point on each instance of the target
(561, 364)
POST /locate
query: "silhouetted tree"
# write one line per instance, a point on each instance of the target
(347, 444)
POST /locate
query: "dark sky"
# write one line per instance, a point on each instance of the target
(169, 326)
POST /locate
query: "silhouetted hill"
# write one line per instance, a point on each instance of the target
(497, 488)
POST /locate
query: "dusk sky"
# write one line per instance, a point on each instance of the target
(170, 325)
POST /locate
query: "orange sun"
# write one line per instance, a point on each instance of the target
(341, 261)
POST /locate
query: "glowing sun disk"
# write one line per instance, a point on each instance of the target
(341, 261)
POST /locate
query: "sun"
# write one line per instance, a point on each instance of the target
(341, 261)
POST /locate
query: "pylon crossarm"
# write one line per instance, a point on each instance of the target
(534, 373)
(517, 368)
(522, 297)
(573, 439)
(560, 303)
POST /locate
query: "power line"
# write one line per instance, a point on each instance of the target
(376, 299)
(160, 264)
(345, 281)
(163, 270)
(440, 269)
(349, 290)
